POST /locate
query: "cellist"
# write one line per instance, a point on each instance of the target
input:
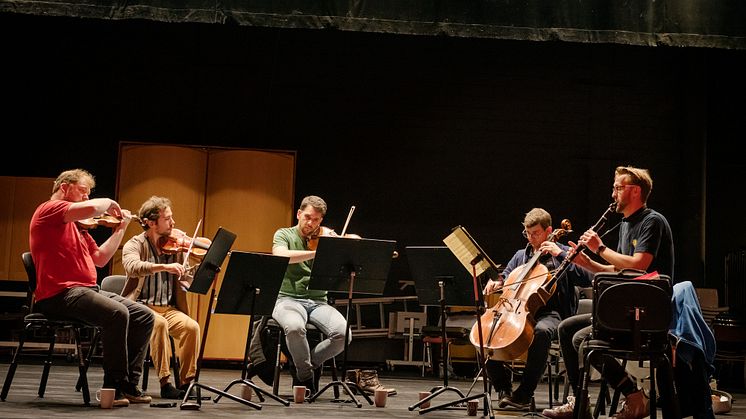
(537, 226)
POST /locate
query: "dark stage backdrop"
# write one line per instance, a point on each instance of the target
(420, 133)
(698, 23)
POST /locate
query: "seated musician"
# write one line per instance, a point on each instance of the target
(563, 303)
(645, 243)
(297, 305)
(153, 278)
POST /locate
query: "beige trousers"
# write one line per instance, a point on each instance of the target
(185, 331)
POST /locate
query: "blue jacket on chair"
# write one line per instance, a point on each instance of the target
(689, 328)
(693, 353)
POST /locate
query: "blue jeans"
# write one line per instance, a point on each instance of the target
(292, 314)
(125, 327)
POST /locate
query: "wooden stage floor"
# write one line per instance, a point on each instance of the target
(61, 400)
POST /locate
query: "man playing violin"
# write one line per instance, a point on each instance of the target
(65, 257)
(563, 303)
(645, 243)
(154, 278)
(297, 305)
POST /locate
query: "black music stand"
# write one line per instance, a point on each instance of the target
(476, 261)
(440, 281)
(247, 276)
(203, 281)
(350, 265)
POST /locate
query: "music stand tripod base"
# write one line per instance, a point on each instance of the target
(247, 276)
(349, 265)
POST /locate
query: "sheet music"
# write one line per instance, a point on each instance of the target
(466, 250)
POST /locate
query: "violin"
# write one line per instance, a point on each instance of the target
(508, 327)
(313, 239)
(105, 220)
(321, 231)
(178, 241)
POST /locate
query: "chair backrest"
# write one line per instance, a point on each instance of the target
(28, 264)
(633, 313)
(113, 283)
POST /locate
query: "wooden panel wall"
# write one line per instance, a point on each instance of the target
(248, 192)
(21, 196)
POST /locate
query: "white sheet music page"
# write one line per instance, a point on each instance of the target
(466, 250)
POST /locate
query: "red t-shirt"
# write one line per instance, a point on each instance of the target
(61, 252)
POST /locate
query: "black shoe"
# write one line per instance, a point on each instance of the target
(170, 392)
(516, 401)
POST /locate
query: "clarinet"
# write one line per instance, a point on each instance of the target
(569, 258)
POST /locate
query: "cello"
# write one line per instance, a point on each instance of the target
(508, 326)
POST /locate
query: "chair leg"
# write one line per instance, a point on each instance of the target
(82, 368)
(13, 364)
(653, 395)
(580, 405)
(614, 402)
(566, 390)
(549, 380)
(276, 378)
(47, 365)
(603, 392)
(175, 364)
(95, 339)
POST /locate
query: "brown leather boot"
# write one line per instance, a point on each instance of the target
(636, 406)
(353, 376)
(369, 383)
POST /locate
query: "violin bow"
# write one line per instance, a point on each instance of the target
(189, 250)
(344, 229)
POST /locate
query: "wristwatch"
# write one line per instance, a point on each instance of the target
(600, 249)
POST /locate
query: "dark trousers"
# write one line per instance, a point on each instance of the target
(125, 327)
(536, 361)
(572, 331)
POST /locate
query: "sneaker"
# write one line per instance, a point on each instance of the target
(133, 393)
(636, 406)
(566, 410)
(515, 401)
(120, 400)
(170, 392)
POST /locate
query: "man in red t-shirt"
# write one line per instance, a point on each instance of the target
(66, 257)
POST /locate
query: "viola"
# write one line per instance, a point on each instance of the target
(508, 327)
(178, 241)
(105, 220)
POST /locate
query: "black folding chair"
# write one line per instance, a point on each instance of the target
(34, 322)
(630, 322)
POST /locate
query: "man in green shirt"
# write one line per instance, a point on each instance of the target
(297, 305)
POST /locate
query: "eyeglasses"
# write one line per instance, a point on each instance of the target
(526, 234)
(620, 188)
